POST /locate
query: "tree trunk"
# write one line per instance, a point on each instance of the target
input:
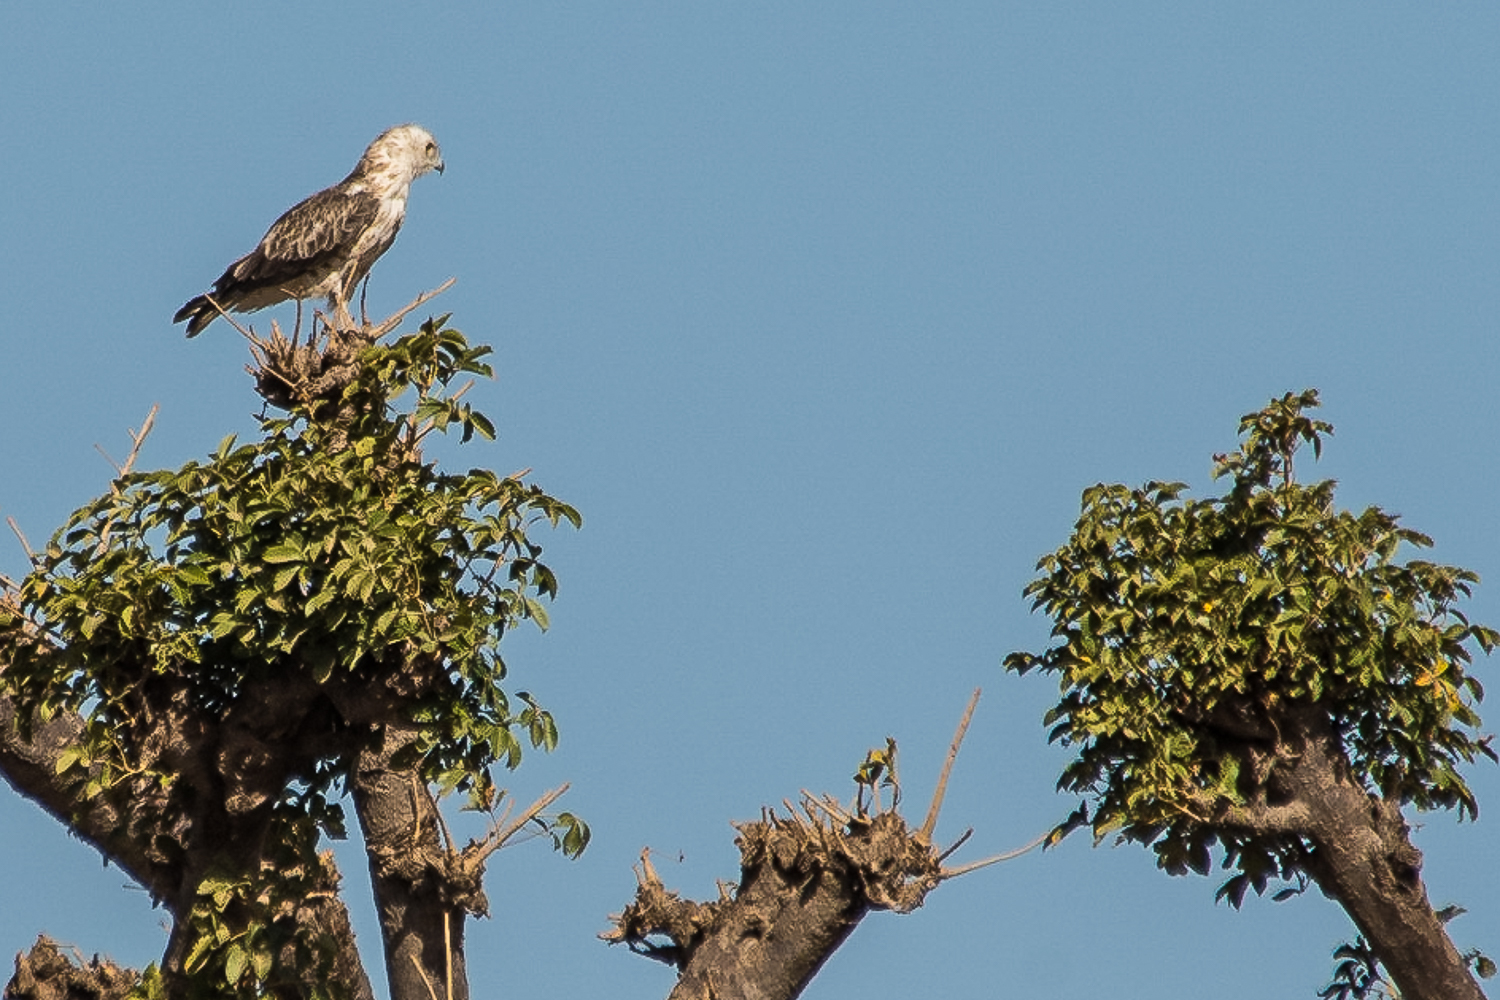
(421, 901)
(805, 884)
(129, 830)
(1363, 857)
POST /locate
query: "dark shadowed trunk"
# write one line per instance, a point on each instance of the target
(217, 812)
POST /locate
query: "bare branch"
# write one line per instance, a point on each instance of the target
(828, 804)
(394, 320)
(477, 852)
(137, 439)
(232, 321)
(25, 545)
(955, 845)
(425, 981)
(119, 471)
(930, 823)
(948, 873)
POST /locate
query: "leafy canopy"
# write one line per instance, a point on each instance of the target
(1169, 611)
(323, 547)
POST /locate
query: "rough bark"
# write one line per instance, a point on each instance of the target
(30, 767)
(421, 895)
(228, 772)
(45, 973)
(1363, 857)
(1355, 846)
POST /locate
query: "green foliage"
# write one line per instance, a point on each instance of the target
(152, 986)
(1357, 975)
(290, 555)
(1169, 612)
(569, 834)
(328, 551)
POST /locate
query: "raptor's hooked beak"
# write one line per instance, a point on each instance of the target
(439, 167)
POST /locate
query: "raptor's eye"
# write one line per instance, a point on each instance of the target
(432, 147)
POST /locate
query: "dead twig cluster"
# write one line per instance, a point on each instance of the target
(289, 371)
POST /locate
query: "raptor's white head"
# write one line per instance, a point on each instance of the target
(402, 154)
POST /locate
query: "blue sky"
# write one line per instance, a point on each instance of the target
(823, 315)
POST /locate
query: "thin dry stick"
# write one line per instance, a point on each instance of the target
(109, 458)
(137, 439)
(1008, 855)
(394, 320)
(425, 981)
(220, 310)
(22, 537)
(930, 823)
(829, 805)
(448, 952)
(500, 834)
(961, 841)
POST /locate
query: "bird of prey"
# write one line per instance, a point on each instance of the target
(324, 246)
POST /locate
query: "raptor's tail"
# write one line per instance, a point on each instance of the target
(199, 312)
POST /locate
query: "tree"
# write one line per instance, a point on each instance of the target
(204, 657)
(205, 661)
(1259, 672)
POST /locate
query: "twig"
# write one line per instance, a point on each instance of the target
(137, 439)
(948, 873)
(30, 555)
(828, 805)
(427, 982)
(496, 838)
(415, 432)
(930, 823)
(448, 952)
(956, 845)
(232, 322)
(394, 320)
(113, 464)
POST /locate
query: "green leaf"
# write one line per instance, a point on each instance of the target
(198, 953)
(283, 552)
(263, 962)
(285, 576)
(234, 963)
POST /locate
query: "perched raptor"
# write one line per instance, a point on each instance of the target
(324, 246)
